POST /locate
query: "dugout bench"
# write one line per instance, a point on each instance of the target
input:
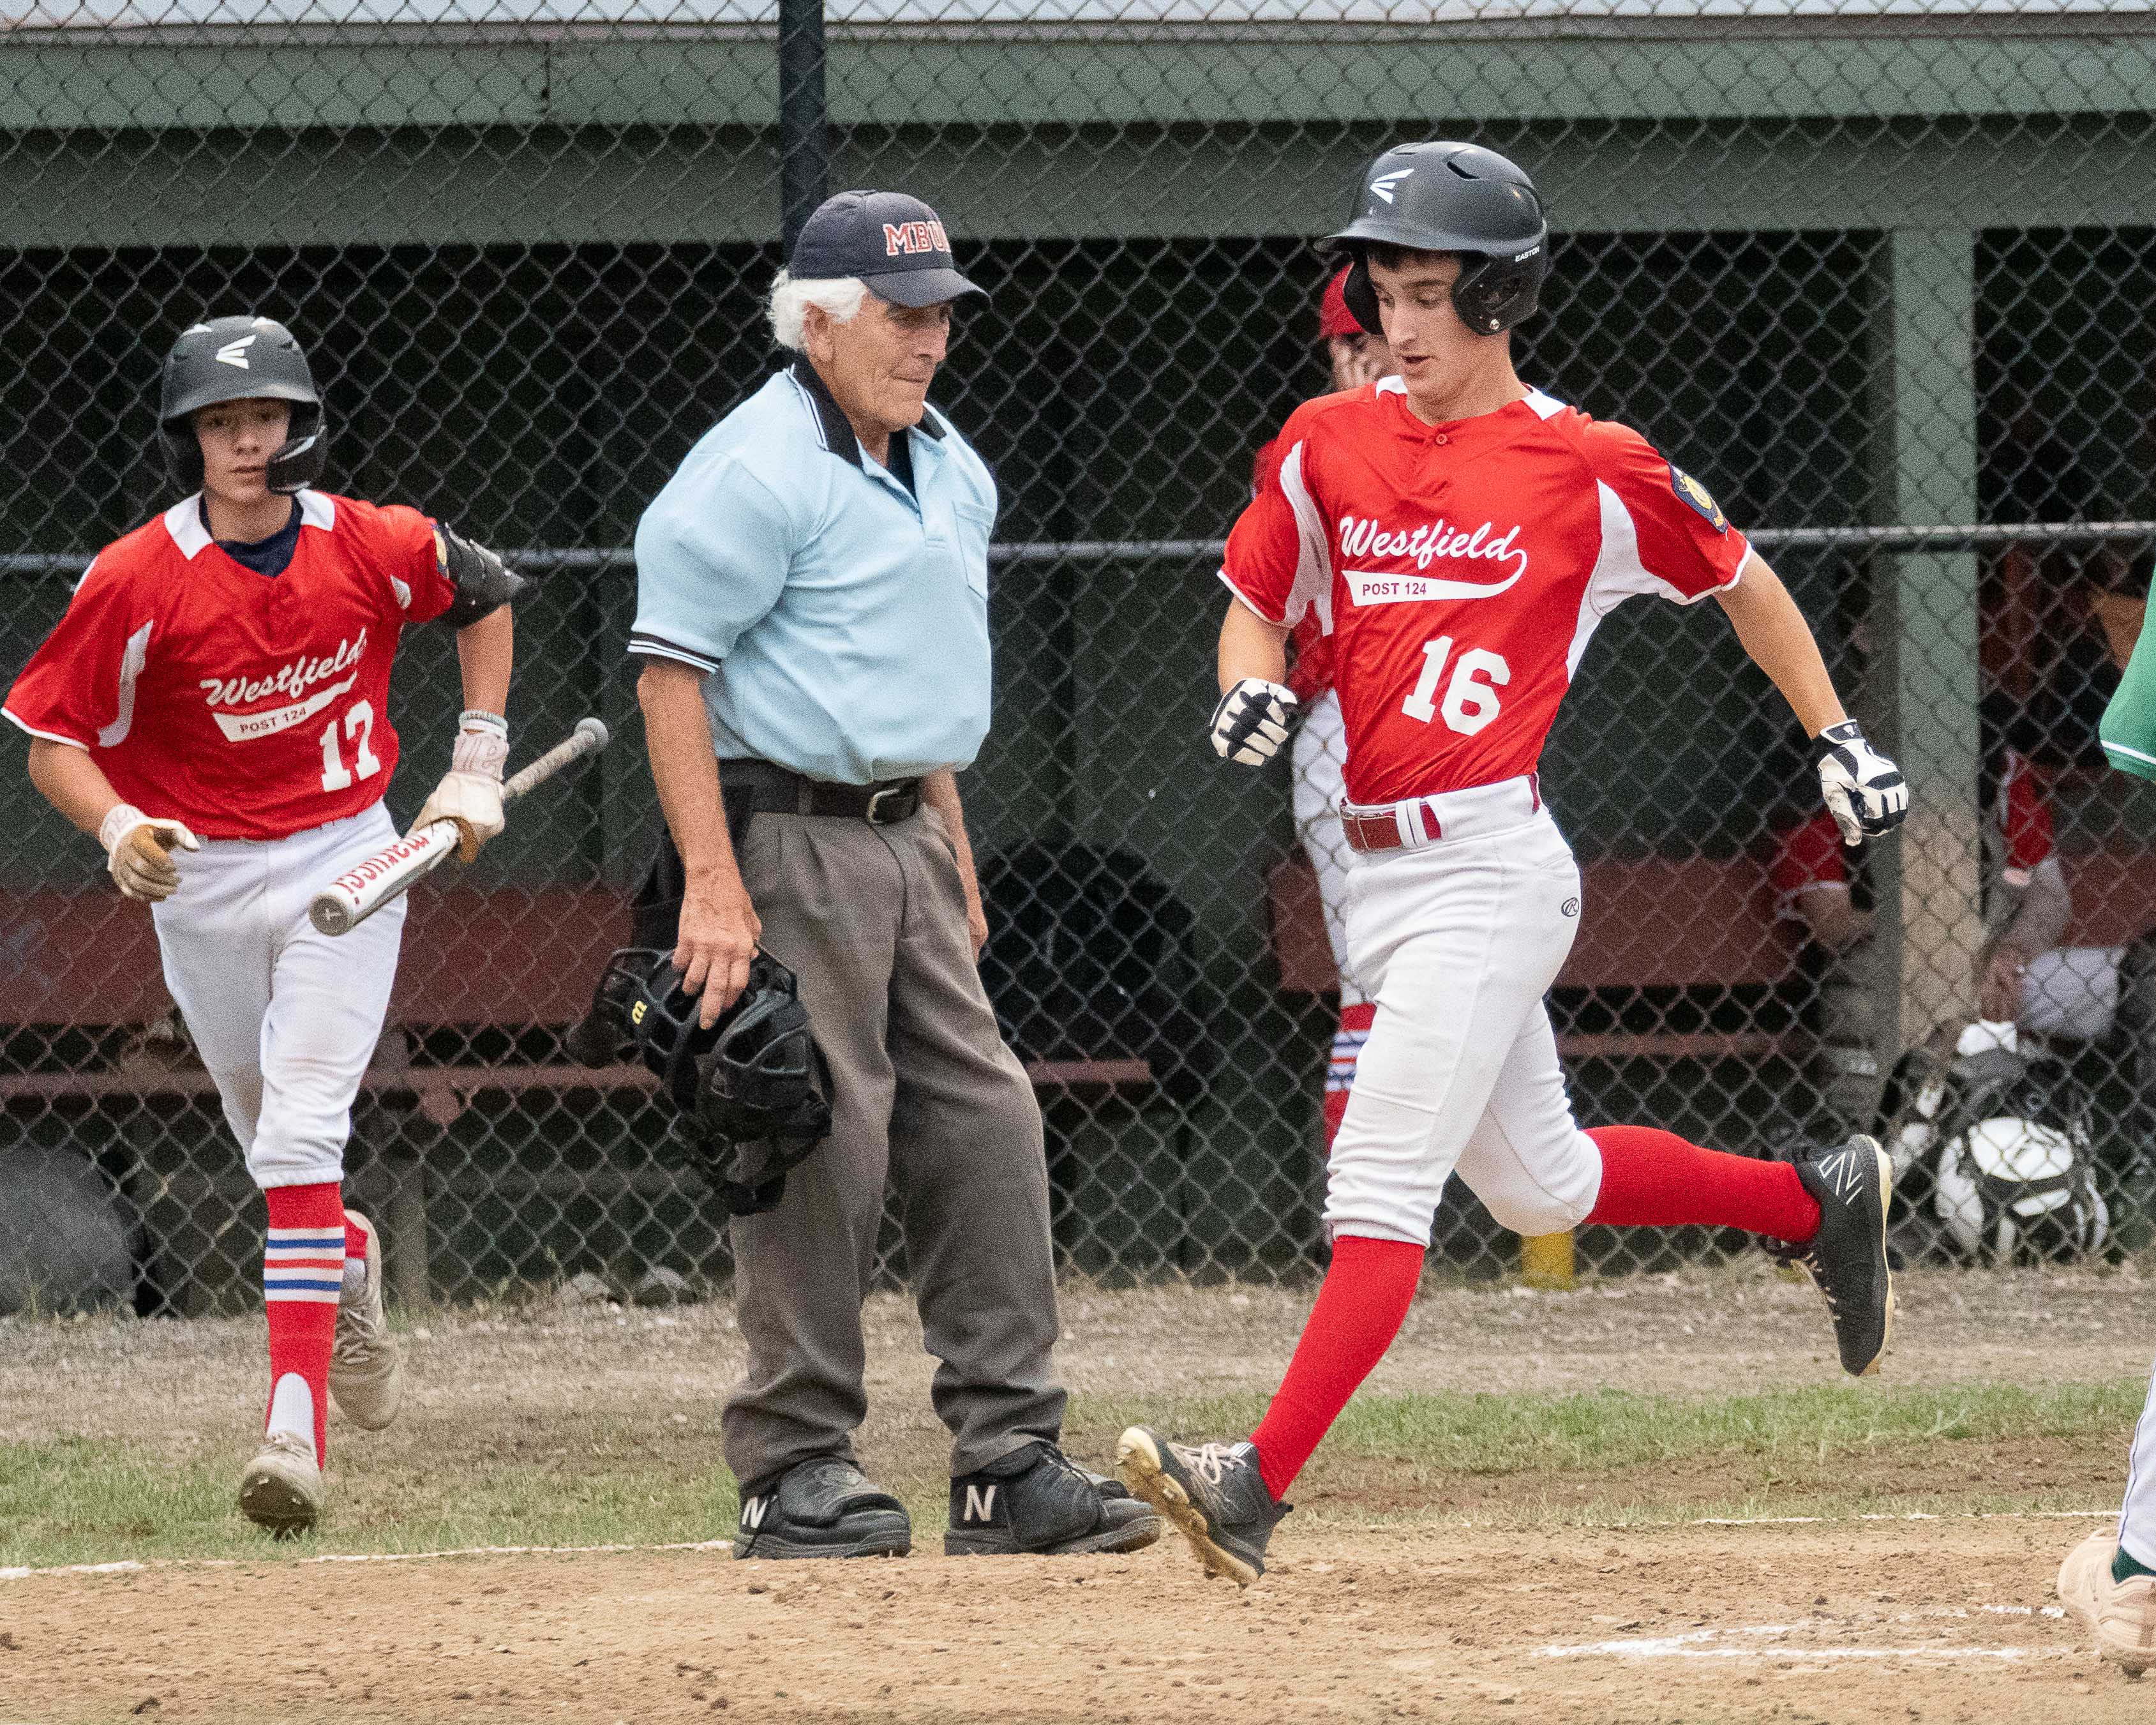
(478, 1016)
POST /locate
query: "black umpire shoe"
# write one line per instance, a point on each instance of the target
(1036, 1502)
(1213, 1492)
(1847, 1258)
(822, 1507)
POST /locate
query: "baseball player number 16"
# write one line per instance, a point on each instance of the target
(1469, 704)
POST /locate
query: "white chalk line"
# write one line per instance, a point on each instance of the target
(130, 1567)
(1693, 1644)
(2087, 1514)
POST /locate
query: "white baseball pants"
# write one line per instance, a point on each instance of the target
(1319, 757)
(1459, 939)
(2137, 1521)
(285, 1018)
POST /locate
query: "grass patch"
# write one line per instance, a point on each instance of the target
(1603, 1458)
(1500, 1435)
(586, 1482)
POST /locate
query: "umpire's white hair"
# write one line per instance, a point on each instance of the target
(840, 296)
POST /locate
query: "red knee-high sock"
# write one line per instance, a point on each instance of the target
(302, 1272)
(1651, 1178)
(1360, 1308)
(1354, 1031)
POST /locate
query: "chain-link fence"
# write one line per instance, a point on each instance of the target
(1876, 273)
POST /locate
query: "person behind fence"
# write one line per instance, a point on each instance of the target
(1355, 358)
(214, 708)
(812, 626)
(1459, 535)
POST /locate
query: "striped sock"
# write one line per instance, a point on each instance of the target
(302, 1271)
(359, 1243)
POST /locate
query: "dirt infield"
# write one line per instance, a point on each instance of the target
(1924, 1621)
(1406, 1585)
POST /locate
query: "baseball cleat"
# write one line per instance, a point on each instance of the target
(823, 1507)
(1213, 1492)
(1847, 1259)
(282, 1488)
(1036, 1502)
(2122, 1614)
(366, 1366)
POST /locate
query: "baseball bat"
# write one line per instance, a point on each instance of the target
(359, 891)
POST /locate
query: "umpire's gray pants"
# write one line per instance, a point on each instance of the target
(872, 919)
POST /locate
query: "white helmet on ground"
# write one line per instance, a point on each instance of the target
(2009, 1188)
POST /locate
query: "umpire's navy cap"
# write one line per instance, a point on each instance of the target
(894, 243)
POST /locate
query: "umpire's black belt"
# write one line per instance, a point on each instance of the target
(761, 787)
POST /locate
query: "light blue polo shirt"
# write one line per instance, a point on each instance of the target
(843, 621)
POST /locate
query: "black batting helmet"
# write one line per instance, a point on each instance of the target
(754, 1090)
(241, 359)
(1455, 197)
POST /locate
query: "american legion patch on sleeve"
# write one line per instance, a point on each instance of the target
(1695, 494)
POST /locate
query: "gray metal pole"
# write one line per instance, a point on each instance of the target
(804, 143)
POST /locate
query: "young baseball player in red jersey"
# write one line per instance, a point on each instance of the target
(1459, 536)
(214, 706)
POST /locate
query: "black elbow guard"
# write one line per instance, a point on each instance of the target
(483, 581)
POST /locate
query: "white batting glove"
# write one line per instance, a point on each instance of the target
(470, 791)
(1252, 721)
(1865, 792)
(138, 851)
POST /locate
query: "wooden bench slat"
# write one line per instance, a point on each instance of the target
(454, 1087)
(1672, 1044)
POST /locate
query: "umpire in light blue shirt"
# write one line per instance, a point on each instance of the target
(812, 619)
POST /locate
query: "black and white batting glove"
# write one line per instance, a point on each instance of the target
(1252, 721)
(1865, 792)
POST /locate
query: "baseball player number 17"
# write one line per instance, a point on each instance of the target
(357, 893)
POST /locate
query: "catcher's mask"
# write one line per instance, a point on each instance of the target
(753, 1090)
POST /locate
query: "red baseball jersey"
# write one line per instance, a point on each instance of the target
(1813, 855)
(247, 706)
(1460, 569)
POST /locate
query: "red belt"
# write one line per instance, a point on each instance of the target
(1381, 831)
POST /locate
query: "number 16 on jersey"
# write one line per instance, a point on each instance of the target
(1471, 698)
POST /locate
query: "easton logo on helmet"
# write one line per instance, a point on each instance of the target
(1386, 184)
(235, 353)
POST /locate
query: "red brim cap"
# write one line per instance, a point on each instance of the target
(1333, 317)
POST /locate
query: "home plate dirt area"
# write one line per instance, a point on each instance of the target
(1904, 1620)
(1652, 1504)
